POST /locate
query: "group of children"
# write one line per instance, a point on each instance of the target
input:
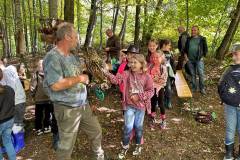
(145, 83)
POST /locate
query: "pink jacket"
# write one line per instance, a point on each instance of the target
(159, 76)
(134, 83)
(121, 71)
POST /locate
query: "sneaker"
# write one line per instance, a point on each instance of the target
(163, 124)
(47, 130)
(152, 122)
(137, 150)
(39, 132)
(123, 152)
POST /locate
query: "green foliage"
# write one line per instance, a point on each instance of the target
(204, 13)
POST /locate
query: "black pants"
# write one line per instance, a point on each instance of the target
(54, 124)
(158, 99)
(43, 112)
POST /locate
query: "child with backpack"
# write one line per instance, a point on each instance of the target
(137, 93)
(158, 72)
(229, 92)
(44, 107)
(165, 46)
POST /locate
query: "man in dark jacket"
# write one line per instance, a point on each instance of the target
(113, 46)
(7, 105)
(183, 35)
(195, 49)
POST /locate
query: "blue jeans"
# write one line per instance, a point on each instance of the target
(232, 117)
(6, 134)
(197, 69)
(133, 118)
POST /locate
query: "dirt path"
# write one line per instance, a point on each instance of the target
(183, 140)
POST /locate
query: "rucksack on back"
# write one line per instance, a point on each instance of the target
(229, 86)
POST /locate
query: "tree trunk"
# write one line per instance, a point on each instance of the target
(152, 21)
(53, 8)
(25, 24)
(78, 16)
(227, 40)
(91, 23)
(144, 34)
(137, 22)
(35, 28)
(4, 42)
(30, 25)
(101, 25)
(116, 17)
(113, 15)
(123, 28)
(187, 15)
(14, 26)
(61, 9)
(40, 9)
(218, 30)
(69, 11)
(5, 33)
(9, 40)
(20, 41)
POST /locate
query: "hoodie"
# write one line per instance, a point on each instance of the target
(10, 78)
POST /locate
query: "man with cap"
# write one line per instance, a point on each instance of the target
(113, 46)
(229, 92)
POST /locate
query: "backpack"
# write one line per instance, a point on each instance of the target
(205, 117)
(229, 86)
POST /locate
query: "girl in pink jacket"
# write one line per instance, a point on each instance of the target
(137, 93)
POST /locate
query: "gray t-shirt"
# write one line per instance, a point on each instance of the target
(56, 67)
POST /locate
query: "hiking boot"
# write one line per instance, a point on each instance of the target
(138, 150)
(203, 91)
(47, 130)
(163, 124)
(39, 132)
(229, 152)
(123, 152)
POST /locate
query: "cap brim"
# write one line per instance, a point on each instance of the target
(131, 52)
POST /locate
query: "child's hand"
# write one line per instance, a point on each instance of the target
(134, 98)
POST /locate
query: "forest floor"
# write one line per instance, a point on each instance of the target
(184, 138)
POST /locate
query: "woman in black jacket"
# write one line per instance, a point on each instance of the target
(7, 104)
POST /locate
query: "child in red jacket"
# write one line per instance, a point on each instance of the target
(158, 72)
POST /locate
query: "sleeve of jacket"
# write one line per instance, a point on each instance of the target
(118, 79)
(205, 47)
(185, 49)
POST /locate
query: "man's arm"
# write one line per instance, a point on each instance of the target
(183, 42)
(205, 46)
(69, 82)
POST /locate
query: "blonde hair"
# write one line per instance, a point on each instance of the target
(140, 58)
